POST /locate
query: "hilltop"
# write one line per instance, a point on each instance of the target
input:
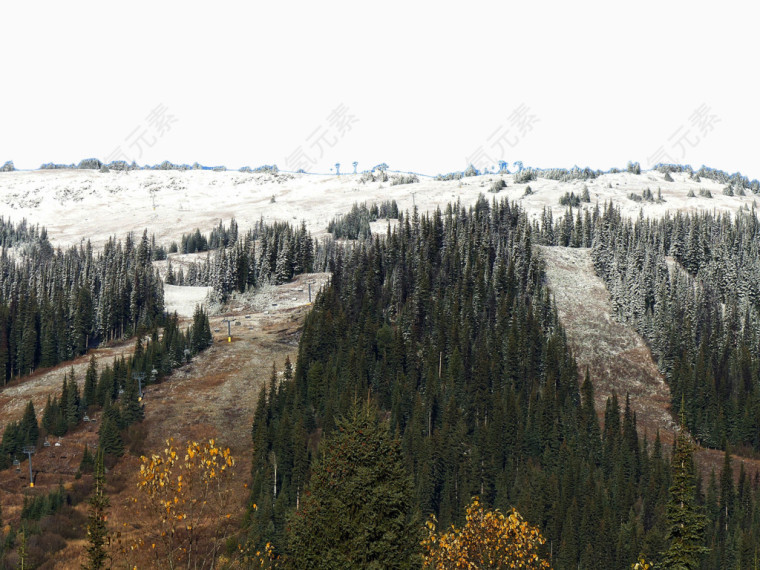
(78, 205)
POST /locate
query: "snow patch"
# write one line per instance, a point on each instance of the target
(183, 300)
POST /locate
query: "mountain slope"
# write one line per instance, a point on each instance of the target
(86, 204)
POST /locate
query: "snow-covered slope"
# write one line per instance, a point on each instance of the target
(183, 300)
(87, 204)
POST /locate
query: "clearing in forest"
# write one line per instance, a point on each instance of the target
(617, 358)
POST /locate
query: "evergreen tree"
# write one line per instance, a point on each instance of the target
(107, 387)
(131, 408)
(47, 416)
(87, 464)
(72, 404)
(170, 278)
(109, 436)
(30, 431)
(97, 530)
(90, 384)
(201, 330)
(686, 523)
(359, 511)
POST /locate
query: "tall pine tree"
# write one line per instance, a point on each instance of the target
(358, 512)
(97, 530)
(686, 523)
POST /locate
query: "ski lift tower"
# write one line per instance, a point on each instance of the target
(139, 376)
(29, 450)
(229, 330)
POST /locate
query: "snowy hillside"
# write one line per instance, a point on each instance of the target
(82, 204)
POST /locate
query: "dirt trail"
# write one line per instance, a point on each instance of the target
(215, 395)
(616, 356)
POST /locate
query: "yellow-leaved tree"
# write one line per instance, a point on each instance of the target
(186, 501)
(641, 564)
(489, 539)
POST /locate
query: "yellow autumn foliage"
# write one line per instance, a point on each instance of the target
(641, 564)
(184, 492)
(489, 539)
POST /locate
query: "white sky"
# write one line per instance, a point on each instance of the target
(427, 84)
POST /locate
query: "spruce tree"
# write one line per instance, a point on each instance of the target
(72, 404)
(90, 383)
(358, 512)
(97, 530)
(48, 416)
(87, 463)
(686, 523)
(110, 441)
(170, 279)
(30, 430)
(132, 410)
(201, 330)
